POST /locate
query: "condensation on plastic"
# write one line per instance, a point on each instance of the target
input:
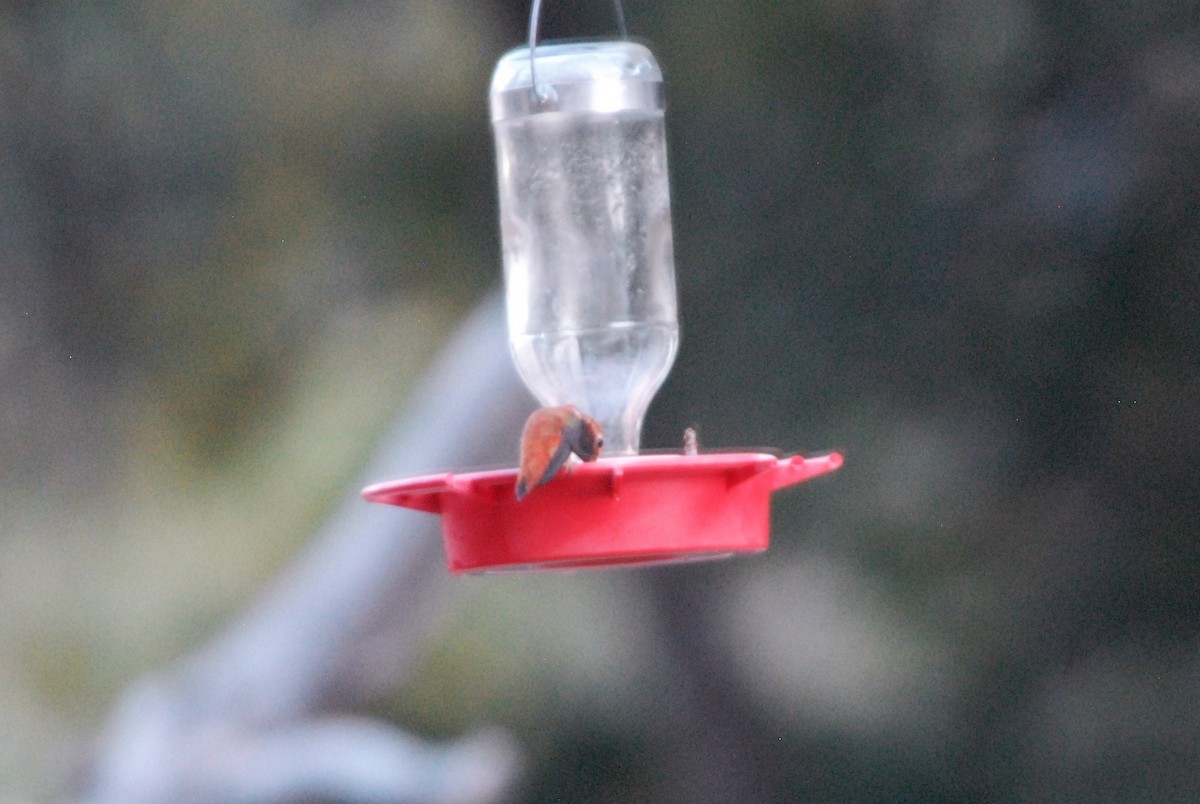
(585, 229)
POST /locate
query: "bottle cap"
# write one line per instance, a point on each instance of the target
(577, 77)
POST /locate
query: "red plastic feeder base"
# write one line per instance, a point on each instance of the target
(643, 509)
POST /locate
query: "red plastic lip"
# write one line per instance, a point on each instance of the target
(645, 509)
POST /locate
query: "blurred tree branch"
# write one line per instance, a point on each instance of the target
(255, 715)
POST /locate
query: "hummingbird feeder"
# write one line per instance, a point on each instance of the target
(585, 223)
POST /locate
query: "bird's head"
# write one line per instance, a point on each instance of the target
(583, 435)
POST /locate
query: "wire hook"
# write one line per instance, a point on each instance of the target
(534, 14)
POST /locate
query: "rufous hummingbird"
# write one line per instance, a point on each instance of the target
(549, 438)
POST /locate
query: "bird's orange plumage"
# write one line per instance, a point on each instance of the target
(549, 437)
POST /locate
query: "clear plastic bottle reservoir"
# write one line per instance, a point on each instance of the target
(585, 222)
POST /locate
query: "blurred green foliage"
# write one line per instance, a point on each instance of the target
(957, 241)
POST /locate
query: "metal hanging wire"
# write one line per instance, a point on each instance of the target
(534, 14)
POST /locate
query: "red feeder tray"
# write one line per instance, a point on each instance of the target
(643, 509)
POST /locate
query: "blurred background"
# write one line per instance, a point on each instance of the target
(957, 241)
